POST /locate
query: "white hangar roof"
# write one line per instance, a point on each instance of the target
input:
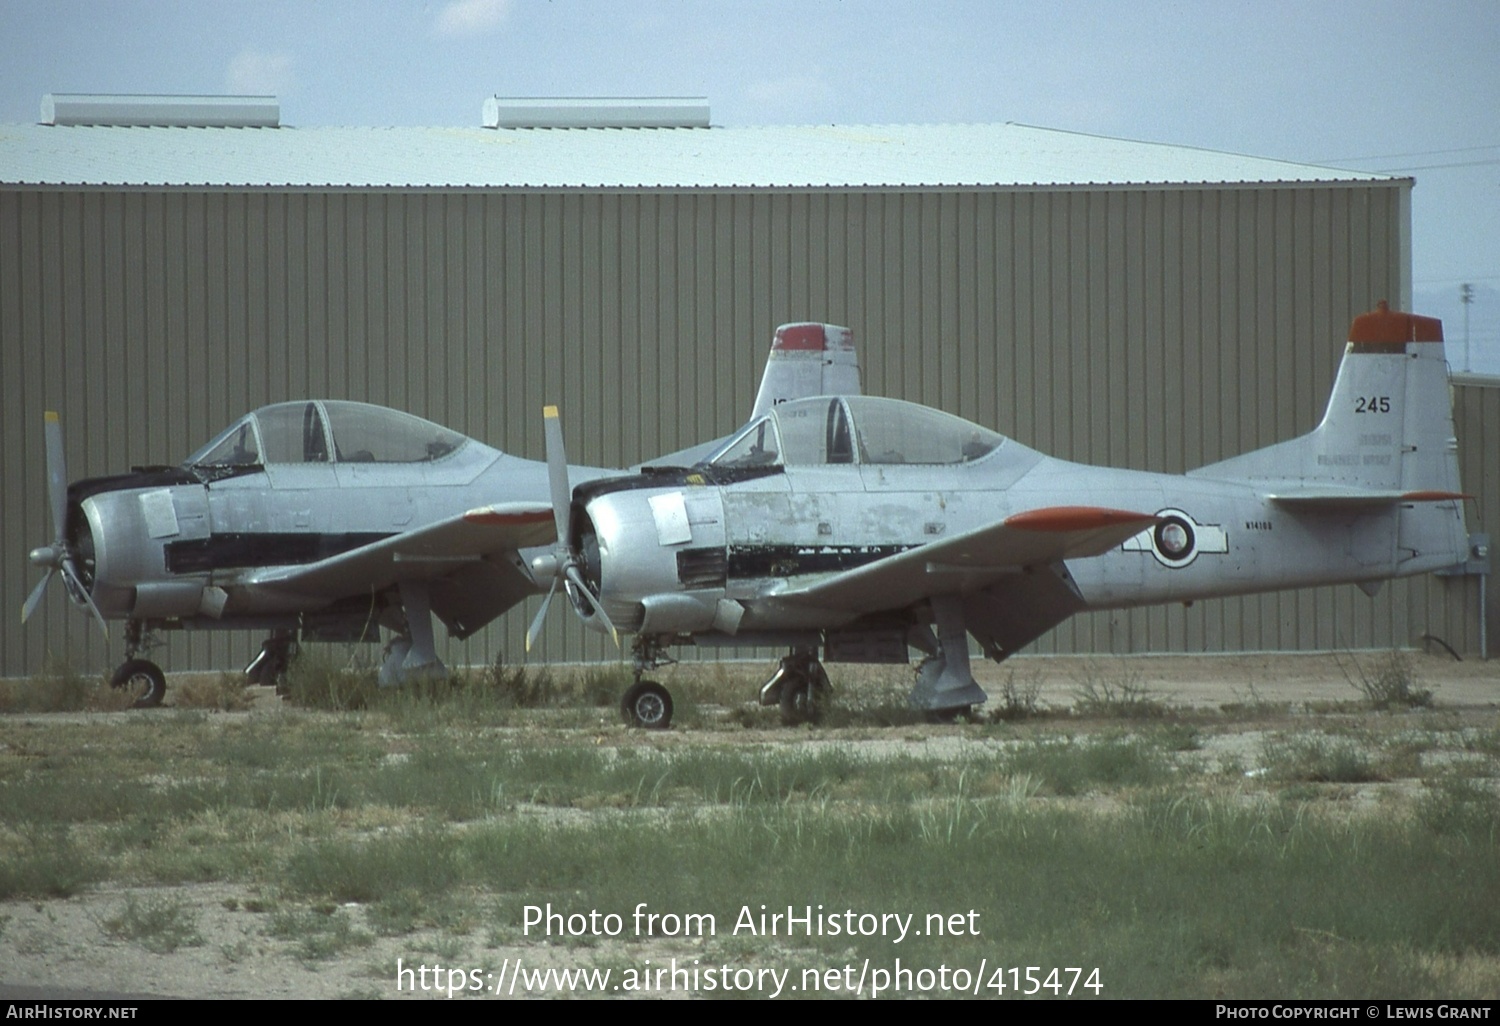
(797, 157)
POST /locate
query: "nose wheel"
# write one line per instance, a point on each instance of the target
(647, 705)
(142, 679)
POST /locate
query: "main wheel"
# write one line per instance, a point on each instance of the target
(648, 705)
(953, 714)
(801, 700)
(143, 679)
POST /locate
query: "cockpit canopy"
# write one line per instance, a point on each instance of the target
(327, 431)
(856, 429)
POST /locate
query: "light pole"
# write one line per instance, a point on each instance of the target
(1466, 297)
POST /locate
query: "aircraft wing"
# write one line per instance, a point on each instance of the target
(437, 550)
(975, 559)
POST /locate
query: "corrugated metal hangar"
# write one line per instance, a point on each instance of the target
(163, 270)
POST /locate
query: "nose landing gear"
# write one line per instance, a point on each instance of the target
(647, 704)
(141, 678)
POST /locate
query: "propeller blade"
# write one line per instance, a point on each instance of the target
(575, 576)
(57, 475)
(557, 473)
(75, 586)
(562, 513)
(541, 614)
(35, 597)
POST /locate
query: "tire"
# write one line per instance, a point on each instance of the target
(647, 705)
(955, 714)
(142, 678)
(801, 701)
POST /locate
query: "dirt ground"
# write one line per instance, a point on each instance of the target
(1210, 682)
(60, 947)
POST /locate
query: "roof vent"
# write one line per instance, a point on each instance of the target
(161, 111)
(596, 112)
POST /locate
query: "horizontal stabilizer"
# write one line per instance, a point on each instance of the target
(433, 551)
(1333, 499)
(976, 559)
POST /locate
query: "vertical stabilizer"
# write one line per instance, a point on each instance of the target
(806, 360)
(1385, 458)
(1389, 423)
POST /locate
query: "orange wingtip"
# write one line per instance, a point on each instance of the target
(491, 517)
(1433, 496)
(1077, 518)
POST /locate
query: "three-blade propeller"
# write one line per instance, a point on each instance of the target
(562, 564)
(58, 557)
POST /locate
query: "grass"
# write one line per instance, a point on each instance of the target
(1070, 767)
(161, 926)
(1318, 759)
(60, 687)
(42, 860)
(1115, 694)
(225, 693)
(317, 934)
(1019, 695)
(1390, 684)
(429, 819)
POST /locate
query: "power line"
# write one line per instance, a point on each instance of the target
(1456, 280)
(1414, 153)
(1432, 167)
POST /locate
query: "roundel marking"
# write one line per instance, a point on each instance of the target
(1174, 543)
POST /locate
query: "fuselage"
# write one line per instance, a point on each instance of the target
(716, 548)
(184, 545)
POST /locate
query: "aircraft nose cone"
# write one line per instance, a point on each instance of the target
(44, 557)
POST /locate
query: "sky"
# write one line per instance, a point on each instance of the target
(1410, 87)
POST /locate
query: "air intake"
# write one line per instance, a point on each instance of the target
(161, 111)
(596, 112)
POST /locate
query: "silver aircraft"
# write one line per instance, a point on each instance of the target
(330, 520)
(855, 528)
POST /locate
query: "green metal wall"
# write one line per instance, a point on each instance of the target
(1150, 328)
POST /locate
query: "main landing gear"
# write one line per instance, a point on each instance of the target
(799, 686)
(270, 666)
(945, 686)
(411, 654)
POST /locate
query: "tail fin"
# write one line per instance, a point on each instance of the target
(1386, 440)
(807, 360)
(1389, 423)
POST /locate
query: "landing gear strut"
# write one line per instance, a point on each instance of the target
(141, 678)
(799, 686)
(412, 653)
(945, 686)
(647, 704)
(270, 666)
